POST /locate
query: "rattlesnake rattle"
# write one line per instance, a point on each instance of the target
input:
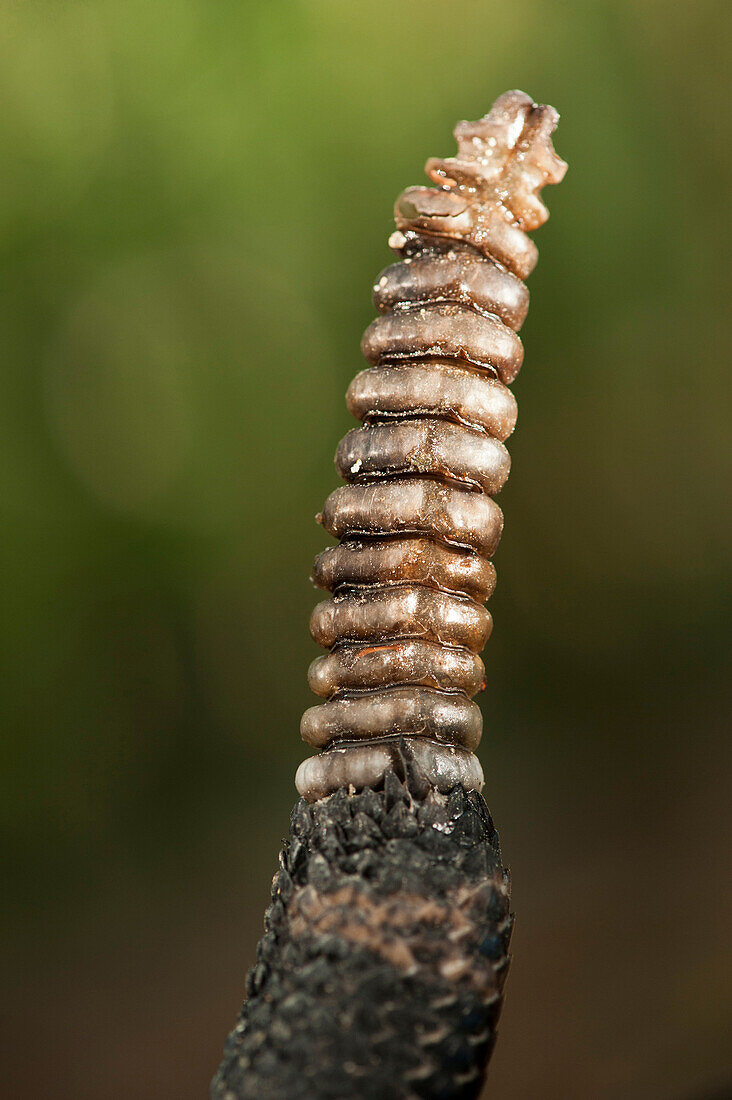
(381, 969)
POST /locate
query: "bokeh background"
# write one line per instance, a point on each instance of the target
(194, 199)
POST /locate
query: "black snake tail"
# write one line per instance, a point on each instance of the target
(381, 969)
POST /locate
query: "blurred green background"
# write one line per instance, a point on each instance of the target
(194, 200)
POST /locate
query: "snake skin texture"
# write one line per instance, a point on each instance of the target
(381, 968)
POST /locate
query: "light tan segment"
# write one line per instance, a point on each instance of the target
(489, 192)
(354, 765)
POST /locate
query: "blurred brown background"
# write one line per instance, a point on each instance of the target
(194, 201)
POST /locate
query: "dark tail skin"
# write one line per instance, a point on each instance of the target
(381, 969)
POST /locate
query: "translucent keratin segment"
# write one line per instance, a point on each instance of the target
(401, 560)
(415, 505)
(420, 711)
(446, 329)
(352, 666)
(452, 272)
(348, 764)
(401, 611)
(434, 388)
(450, 452)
